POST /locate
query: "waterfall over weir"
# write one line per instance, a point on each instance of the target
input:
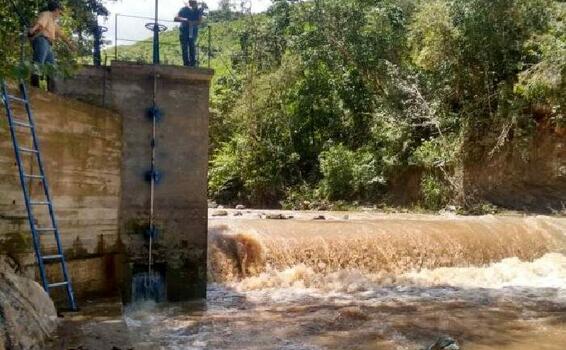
(373, 282)
(388, 245)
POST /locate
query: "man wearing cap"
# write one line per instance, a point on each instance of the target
(190, 17)
(43, 34)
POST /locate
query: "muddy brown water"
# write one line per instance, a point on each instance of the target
(371, 282)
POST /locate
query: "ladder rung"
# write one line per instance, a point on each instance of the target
(46, 229)
(39, 203)
(27, 150)
(33, 176)
(55, 285)
(15, 98)
(22, 124)
(52, 257)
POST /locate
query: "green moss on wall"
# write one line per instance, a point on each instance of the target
(16, 243)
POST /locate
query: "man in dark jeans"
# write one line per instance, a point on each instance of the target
(190, 17)
(43, 34)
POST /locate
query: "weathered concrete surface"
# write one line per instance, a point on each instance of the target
(90, 84)
(81, 147)
(98, 325)
(27, 314)
(182, 159)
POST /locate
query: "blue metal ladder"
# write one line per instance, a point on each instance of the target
(36, 231)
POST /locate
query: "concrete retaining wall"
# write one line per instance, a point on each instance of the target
(81, 145)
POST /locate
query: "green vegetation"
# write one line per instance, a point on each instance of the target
(322, 102)
(330, 100)
(79, 20)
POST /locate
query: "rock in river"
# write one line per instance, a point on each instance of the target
(277, 217)
(444, 343)
(27, 314)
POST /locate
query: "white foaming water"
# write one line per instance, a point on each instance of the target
(507, 305)
(547, 272)
(302, 284)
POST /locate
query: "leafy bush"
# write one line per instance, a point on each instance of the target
(304, 197)
(438, 152)
(434, 192)
(336, 165)
(368, 175)
(224, 177)
(349, 174)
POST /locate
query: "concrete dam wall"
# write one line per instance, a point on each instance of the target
(97, 154)
(81, 146)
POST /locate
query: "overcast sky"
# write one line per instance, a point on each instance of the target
(134, 29)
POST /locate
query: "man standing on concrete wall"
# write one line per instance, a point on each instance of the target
(43, 34)
(190, 17)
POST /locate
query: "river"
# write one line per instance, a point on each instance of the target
(371, 282)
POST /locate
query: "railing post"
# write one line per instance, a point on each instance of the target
(23, 45)
(156, 34)
(97, 32)
(116, 37)
(209, 43)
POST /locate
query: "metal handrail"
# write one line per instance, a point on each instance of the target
(198, 44)
(143, 17)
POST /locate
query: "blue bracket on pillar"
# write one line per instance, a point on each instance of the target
(153, 175)
(152, 232)
(154, 112)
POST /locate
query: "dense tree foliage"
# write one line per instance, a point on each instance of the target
(326, 101)
(329, 100)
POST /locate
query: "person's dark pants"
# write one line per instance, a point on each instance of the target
(188, 48)
(42, 54)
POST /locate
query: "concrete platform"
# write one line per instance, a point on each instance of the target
(98, 325)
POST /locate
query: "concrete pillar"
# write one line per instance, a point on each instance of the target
(182, 159)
